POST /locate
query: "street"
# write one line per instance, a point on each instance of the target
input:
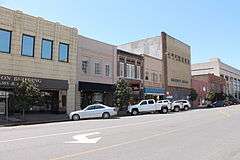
(203, 134)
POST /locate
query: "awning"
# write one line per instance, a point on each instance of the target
(95, 87)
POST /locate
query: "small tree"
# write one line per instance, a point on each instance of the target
(211, 96)
(193, 95)
(122, 94)
(27, 94)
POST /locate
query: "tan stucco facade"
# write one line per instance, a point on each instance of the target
(92, 51)
(153, 72)
(17, 65)
(178, 65)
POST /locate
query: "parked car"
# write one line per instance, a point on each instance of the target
(149, 106)
(165, 106)
(181, 105)
(218, 103)
(93, 111)
(228, 103)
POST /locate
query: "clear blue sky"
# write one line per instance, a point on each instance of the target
(210, 27)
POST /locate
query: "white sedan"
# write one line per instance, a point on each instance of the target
(93, 111)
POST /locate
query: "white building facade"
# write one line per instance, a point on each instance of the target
(218, 68)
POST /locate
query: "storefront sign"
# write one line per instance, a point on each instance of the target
(154, 90)
(179, 81)
(9, 81)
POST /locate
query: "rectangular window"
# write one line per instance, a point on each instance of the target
(47, 49)
(63, 52)
(138, 72)
(5, 41)
(28, 43)
(128, 69)
(107, 70)
(133, 71)
(84, 66)
(121, 69)
(97, 68)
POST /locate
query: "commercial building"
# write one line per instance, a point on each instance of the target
(176, 60)
(205, 83)
(95, 72)
(130, 67)
(42, 51)
(153, 78)
(218, 68)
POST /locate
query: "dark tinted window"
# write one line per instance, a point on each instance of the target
(159, 101)
(99, 107)
(28, 45)
(47, 49)
(165, 101)
(63, 52)
(5, 41)
(151, 102)
(91, 108)
(143, 103)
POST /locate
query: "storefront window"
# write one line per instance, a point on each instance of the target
(5, 41)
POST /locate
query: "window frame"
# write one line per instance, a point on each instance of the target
(68, 48)
(97, 69)
(84, 66)
(107, 70)
(44, 39)
(121, 69)
(33, 51)
(10, 41)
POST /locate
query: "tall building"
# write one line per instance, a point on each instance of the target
(95, 72)
(176, 61)
(218, 68)
(41, 51)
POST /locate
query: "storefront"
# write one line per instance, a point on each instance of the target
(95, 93)
(54, 91)
(156, 93)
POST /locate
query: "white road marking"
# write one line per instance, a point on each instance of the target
(83, 138)
(81, 131)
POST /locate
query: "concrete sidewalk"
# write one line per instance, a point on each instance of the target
(32, 119)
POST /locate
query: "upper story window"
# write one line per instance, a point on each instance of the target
(63, 52)
(28, 43)
(121, 69)
(107, 70)
(97, 68)
(138, 72)
(47, 49)
(85, 66)
(130, 71)
(147, 76)
(5, 41)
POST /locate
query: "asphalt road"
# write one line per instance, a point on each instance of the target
(205, 134)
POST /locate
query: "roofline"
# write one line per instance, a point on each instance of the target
(97, 40)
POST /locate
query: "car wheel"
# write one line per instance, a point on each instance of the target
(164, 110)
(134, 112)
(176, 109)
(75, 117)
(105, 115)
(186, 108)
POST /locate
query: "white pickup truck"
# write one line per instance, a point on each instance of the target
(150, 105)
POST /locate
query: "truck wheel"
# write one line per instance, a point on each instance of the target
(176, 109)
(134, 112)
(186, 108)
(164, 110)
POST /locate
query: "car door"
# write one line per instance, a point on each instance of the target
(88, 112)
(143, 106)
(151, 105)
(99, 110)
